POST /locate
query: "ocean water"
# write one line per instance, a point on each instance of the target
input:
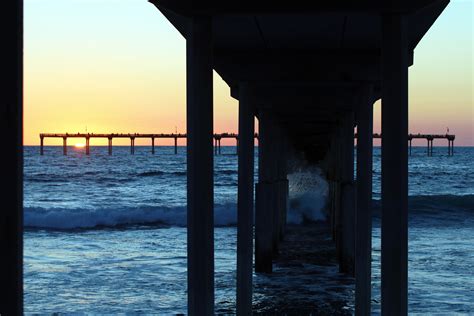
(106, 234)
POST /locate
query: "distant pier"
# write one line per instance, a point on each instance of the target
(217, 140)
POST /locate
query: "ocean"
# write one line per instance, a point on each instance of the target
(106, 234)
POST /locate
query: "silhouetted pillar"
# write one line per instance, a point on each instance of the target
(364, 204)
(265, 196)
(153, 145)
(283, 185)
(200, 180)
(132, 145)
(347, 196)
(110, 146)
(245, 202)
(219, 145)
(41, 146)
(394, 276)
(88, 150)
(64, 145)
(11, 181)
(410, 145)
(176, 145)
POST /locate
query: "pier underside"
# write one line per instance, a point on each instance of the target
(310, 72)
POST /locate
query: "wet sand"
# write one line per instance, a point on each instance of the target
(305, 278)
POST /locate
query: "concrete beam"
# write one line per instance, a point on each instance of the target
(200, 175)
(215, 7)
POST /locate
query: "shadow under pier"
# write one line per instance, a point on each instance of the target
(305, 278)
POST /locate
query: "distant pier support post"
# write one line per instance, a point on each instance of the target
(219, 144)
(215, 146)
(41, 145)
(237, 145)
(200, 177)
(245, 202)
(364, 204)
(65, 146)
(88, 148)
(450, 146)
(110, 145)
(394, 252)
(132, 145)
(175, 145)
(409, 142)
(153, 145)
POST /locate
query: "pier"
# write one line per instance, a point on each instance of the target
(310, 72)
(217, 140)
(132, 136)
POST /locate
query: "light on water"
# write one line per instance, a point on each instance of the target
(106, 234)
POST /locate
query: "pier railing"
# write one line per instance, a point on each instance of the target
(217, 140)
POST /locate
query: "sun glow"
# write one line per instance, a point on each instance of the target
(80, 145)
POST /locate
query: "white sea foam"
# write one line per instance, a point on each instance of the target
(66, 218)
(308, 195)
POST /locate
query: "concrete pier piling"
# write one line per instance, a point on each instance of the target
(153, 145)
(265, 195)
(394, 252)
(176, 145)
(11, 181)
(200, 175)
(88, 148)
(110, 145)
(245, 201)
(363, 258)
(347, 195)
(64, 146)
(132, 145)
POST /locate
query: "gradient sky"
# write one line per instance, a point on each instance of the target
(119, 66)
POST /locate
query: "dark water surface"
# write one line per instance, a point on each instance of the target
(105, 234)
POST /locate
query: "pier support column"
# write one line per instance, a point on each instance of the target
(11, 181)
(132, 145)
(41, 146)
(200, 177)
(64, 146)
(394, 276)
(347, 196)
(219, 145)
(363, 261)
(265, 196)
(409, 142)
(152, 145)
(110, 146)
(88, 149)
(215, 146)
(245, 202)
(176, 145)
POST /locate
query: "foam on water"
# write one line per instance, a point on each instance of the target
(308, 195)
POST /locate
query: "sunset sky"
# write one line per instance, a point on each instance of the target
(119, 66)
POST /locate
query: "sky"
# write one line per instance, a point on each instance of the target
(118, 66)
